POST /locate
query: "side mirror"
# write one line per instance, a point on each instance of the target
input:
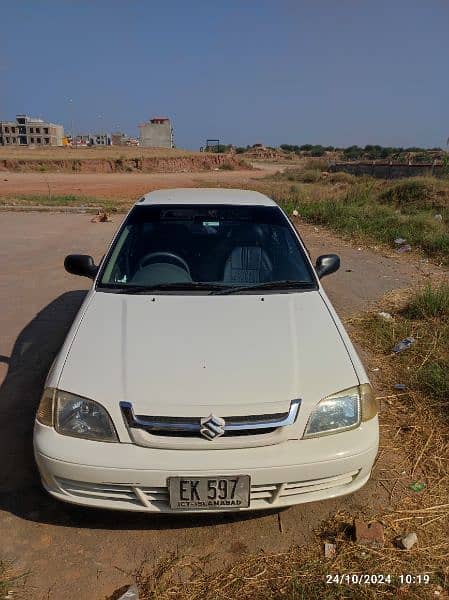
(80, 264)
(327, 264)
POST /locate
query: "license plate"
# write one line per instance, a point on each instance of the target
(209, 493)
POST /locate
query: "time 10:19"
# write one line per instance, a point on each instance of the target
(409, 578)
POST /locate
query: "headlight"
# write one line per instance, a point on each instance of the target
(342, 411)
(75, 416)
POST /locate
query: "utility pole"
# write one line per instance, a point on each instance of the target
(72, 124)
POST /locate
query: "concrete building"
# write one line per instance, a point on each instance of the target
(81, 139)
(100, 139)
(121, 139)
(92, 139)
(30, 131)
(156, 133)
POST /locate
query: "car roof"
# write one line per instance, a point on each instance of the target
(206, 196)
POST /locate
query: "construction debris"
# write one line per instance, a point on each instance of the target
(329, 550)
(371, 534)
(132, 593)
(404, 344)
(262, 151)
(407, 541)
(402, 245)
(438, 590)
(101, 217)
(400, 386)
(404, 248)
(385, 316)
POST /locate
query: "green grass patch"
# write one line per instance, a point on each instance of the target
(424, 367)
(433, 379)
(409, 192)
(360, 214)
(416, 210)
(297, 174)
(429, 302)
(340, 177)
(48, 200)
(416, 193)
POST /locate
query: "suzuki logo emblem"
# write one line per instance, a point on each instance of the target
(212, 427)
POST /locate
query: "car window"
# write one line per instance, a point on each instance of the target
(230, 245)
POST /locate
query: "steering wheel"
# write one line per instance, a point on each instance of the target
(171, 255)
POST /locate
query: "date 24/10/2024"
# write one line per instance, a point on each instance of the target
(376, 579)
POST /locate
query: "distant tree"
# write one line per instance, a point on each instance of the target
(317, 150)
(289, 148)
(222, 149)
(353, 153)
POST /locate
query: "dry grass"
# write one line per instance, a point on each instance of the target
(299, 574)
(414, 448)
(11, 585)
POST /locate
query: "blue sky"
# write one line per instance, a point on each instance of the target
(274, 71)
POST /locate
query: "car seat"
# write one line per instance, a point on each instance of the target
(247, 264)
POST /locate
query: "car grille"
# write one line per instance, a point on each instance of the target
(274, 492)
(211, 427)
(156, 498)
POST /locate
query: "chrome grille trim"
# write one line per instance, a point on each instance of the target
(234, 425)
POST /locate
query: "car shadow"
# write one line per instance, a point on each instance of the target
(21, 493)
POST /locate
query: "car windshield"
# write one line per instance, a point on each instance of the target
(205, 246)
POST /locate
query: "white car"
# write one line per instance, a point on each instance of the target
(206, 369)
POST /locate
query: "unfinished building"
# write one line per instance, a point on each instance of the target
(30, 131)
(156, 133)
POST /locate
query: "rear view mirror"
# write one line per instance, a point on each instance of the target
(327, 264)
(80, 264)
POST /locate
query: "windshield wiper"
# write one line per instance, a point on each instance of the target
(147, 289)
(285, 284)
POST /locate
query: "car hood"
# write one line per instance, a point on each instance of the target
(189, 355)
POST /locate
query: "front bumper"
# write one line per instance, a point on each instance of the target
(129, 477)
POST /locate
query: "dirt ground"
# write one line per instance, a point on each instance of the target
(95, 152)
(118, 185)
(75, 553)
